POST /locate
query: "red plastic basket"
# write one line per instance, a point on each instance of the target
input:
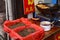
(37, 35)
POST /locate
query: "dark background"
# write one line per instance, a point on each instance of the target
(2, 6)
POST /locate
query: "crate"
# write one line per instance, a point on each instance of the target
(36, 34)
(10, 25)
(21, 33)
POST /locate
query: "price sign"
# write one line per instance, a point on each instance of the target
(28, 6)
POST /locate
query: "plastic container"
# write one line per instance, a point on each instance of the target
(36, 35)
